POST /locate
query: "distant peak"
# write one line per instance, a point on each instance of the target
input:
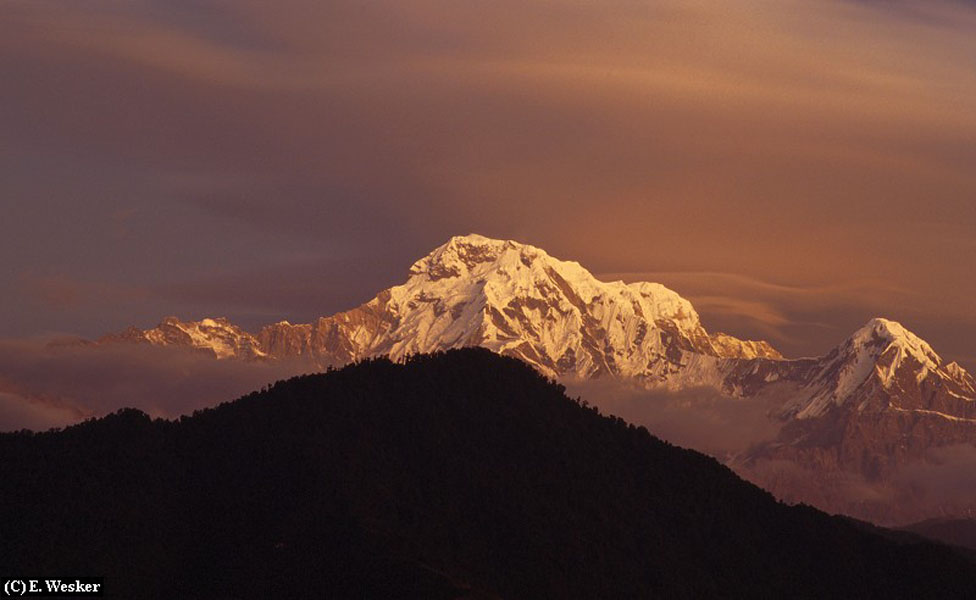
(885, 333)
(465, 254)
(204, 322)
(888, 330)
(955, 368)
(462, 243)
(215, 322)
(474, 238)
(959, 374)
(884, 327)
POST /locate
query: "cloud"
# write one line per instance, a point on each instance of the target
(19, 412)
(44, 386)
(699, 418)
(942, 483)
(946, 476)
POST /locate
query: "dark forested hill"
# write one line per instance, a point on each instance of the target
(463, 474)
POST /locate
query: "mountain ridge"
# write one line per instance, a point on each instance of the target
(517, 300)
(880, 399)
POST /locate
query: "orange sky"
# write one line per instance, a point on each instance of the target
(793, 167)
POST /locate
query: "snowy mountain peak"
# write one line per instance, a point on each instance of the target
(959, 376)
(474, 255)
(517, 299)
(882, 354)
(887, 330)
(505, 269)
(956, 371)
(884, 333)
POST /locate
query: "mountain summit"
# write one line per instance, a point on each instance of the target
(517, 300)
(882, 356)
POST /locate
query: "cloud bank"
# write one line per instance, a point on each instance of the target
(939, 484)
(43, 387)
(699, 418)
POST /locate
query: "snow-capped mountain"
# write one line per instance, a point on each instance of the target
(879, 399)
(882, 366)
(518, 300)
(512, 298)
(860, 424)
(217, 336)
(885, 366)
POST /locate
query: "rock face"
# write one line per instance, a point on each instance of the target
(878, 401)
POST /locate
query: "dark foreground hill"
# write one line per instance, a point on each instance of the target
(463, 474)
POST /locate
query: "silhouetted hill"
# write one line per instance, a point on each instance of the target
(463, 474)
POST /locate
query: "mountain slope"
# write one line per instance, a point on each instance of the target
(458, 475)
